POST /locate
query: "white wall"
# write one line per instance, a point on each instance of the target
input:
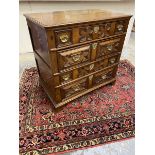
(29, 7)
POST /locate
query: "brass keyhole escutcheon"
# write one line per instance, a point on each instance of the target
(66, 77)
(64, 38)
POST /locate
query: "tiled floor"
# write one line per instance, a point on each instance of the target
(126, 147)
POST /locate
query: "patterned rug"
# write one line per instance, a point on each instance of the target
(102, 116)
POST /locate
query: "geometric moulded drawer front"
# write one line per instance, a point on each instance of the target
(74, 88)
(72, 57)
(95, 31)
(109, 47)
(103, 76)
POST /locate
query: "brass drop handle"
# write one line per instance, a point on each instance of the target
(66, 77)
(76, 88)
(120, 27)
(64, 38)
(104, 77)
(96, 29)
(112, 60)
(76, 57)
(109, 47)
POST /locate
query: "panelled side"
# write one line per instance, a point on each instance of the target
(39, 41)
(40, 46)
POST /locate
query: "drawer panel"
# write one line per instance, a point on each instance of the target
(72, 57)
(121, 26)
(73, 89)
(102, 30)
(113, 59)
(66, 36)
(98, 65)
(95, 31)
(109, 47)
(103, 76)
(92, 67)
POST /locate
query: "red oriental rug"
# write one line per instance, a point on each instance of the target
(102, 116)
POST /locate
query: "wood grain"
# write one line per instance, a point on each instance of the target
(76, 52)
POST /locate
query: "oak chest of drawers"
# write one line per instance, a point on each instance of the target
(76, 51)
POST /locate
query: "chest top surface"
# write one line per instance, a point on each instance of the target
(58, 18)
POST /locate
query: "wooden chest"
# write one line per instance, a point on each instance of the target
(76, 52)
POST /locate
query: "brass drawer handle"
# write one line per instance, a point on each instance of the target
(96, 29)
(76, 57)
(104, 77)
(109, 47)
(112, 60)
(120, 27)
(64, 38)
(91, 67)
(66, 77)
(76, 88)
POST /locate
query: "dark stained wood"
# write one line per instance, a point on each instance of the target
(76, 52)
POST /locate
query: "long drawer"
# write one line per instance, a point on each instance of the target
(66, 36)
(73, 57)
(88, 82)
